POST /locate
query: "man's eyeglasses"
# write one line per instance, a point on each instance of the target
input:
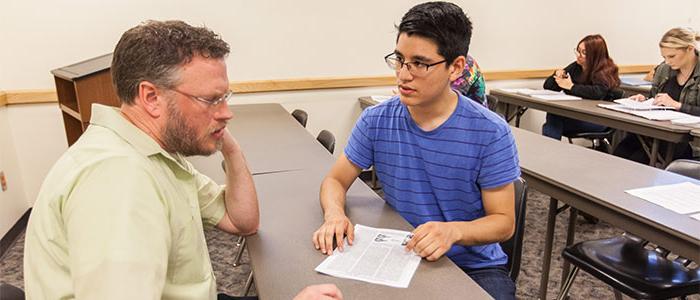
(581, 52)
(210, 102)
(413, 67)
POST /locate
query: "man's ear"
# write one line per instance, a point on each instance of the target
(457, 67)
(150, 99)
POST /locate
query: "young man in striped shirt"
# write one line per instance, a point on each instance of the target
(446, 163)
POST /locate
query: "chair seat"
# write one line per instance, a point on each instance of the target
(627, 266)
(590, 135)
(10, 292)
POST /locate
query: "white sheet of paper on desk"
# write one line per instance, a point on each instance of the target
(682, 198)
(640, 105)
(691, 121)
(656, 115)
(696, 216)
(531, 92)
(380, 98)
(557, 96)
(377, 255)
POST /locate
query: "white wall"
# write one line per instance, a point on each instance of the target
(13, 201)
(294, 39)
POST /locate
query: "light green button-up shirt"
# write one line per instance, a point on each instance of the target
(117, 217)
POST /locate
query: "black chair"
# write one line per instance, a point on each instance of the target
(601, 141)
(514, 246)
(301, 116)
(10, 292)
(631, 266)
(493, 105)
(326, 139)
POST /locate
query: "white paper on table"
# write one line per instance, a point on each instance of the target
(557, 96)
(635, 81)
(692, 121)
(531, 92)
(696, 216)
(656, 115)
(377, 255)
(647, 104)
(682, 198)
(381, 99)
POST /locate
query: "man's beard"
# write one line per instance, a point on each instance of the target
(179, 137)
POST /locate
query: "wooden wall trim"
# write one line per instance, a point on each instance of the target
(3, 98)
(297, 84)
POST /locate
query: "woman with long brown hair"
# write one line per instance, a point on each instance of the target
(593, 75)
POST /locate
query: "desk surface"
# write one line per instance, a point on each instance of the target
(282, 251)
(282, 255)
(271, 139)
(587, 110)
(578, 176)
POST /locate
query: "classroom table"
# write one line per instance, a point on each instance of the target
(595, 182)
(587, 110)
(271, 140)
(289, 165)
(695, 133)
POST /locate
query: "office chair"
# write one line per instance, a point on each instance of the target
(492, 103)
(514, 246)
(601, 141)
(10, 292)
(326, 139)
(628, 265)
(301, 116)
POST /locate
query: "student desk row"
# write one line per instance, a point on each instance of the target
(588, 110)
(290, 165)
(595, 182)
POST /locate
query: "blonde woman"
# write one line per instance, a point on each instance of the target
(676, 84)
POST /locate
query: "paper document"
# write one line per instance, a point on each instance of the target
(681, 197)
(696, 216)
(377, 255)
(635, 81)
(558, 96)
(689, 121)
(381, 99)
(657, 115)
(640, 105)
(531, 92)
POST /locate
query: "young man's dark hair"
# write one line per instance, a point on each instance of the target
(442, 22)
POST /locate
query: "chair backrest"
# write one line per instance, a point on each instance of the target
(10, 292)
(514, 246)
(685, 167)
(326, 139)
(301, 116)
(492, 102)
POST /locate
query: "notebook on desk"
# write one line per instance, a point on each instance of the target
(655, 115)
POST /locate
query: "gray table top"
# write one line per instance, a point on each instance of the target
(587, 110)
(271, 139)
(282, 251)
(603, 179)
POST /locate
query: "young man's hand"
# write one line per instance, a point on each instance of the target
(320, 292)
(336, 226)
(433, 239)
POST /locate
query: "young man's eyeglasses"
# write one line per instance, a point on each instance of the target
(210, 102)
(415, 68)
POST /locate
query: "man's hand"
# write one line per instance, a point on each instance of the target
(319, 291)
(433, 239)
(334, 225)
(229, 144)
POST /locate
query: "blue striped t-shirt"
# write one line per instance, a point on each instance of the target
(438, 175)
